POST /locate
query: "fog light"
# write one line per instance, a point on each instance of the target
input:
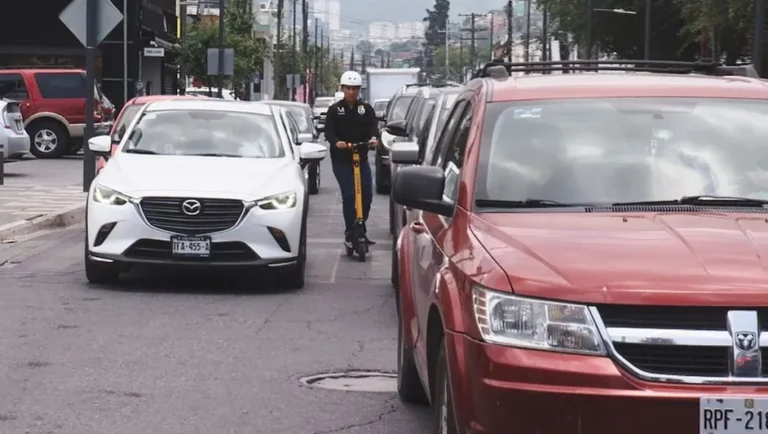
(103, 233)
(280, 238)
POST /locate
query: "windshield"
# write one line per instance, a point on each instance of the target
(400, 108)
(126, 118)
(302, 118)
(323, 102)
(624, 149)
(380, 106)
(195, 132)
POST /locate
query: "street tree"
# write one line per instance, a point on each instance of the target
(437, 20)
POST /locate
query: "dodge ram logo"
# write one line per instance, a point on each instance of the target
(745, 341)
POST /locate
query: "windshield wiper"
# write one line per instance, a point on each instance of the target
(527, 203)
(701, 200)
(140, 151)
(214, 154)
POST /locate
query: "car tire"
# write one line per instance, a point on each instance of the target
(99, 273)
(409, 386)
(293, 278)
(394, 275)
(313, 181)
(445, 418)
(382, 178)
(48, 140)
(391, 216)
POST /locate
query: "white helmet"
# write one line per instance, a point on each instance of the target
(351, 78)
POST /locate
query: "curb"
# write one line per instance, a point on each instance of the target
(60, 219)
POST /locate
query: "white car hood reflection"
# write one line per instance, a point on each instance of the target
(171, 175)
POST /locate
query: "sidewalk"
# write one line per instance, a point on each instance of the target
(40, 194)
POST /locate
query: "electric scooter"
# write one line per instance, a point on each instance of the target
(359, 245)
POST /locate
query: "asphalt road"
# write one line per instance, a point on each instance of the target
(197, 353)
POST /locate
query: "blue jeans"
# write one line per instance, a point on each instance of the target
(346, 178)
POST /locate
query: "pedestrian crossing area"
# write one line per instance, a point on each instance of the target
(23, 202)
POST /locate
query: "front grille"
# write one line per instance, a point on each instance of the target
(673, 317)
(676, 359)
(215, 214)
(159, 250)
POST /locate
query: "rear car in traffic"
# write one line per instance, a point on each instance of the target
(14, 140)
(588, 252)
(319, 110)
(200, 183)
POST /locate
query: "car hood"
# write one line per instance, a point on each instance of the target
(690, 259)
(168, 175)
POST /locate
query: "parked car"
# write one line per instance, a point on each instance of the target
(415, 131)
(300, 129)
(126, 116)
(226, 94)
(319, 109)
(200, 183)
(396, 111)
(14, 140)
(583, 254)
(53, 107)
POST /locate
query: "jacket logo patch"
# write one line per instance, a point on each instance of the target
(340, 110)
(361, 109)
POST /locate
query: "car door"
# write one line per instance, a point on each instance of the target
(427, 257)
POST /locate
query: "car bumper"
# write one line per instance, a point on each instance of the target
(131, 240)
(14, 144)
(495, 388)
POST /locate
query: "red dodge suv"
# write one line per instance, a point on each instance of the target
(587, 253)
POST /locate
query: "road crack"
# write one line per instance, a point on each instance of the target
(378, 419)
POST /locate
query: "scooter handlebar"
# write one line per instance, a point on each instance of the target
(357, 146)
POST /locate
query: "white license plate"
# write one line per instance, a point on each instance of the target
(733, 415)
(191, 246)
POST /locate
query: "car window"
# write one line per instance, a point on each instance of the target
(453, 159)
(443, 139)
(61, 85)
(380, 106)
(195, 132)
(323, 102)
(12, 86)
(400, 108)
(425, 111)
(126, 117)
(624, 149)
(303, 121)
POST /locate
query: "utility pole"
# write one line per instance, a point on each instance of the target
(588, 48)
(294, 54)
(278, 50)
(647, 30)
(182, 71)
(758, 39)
(510, 34)
(305, 46)
(321, 68)
(544, 36)
(221, 49)
(389, 60)
(316, 55)
(490, 43)
(447, 50)
(352, 60)
(91, 30)
(528, 30)
(473, 39)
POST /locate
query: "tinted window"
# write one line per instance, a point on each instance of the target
(453, 160)
(302, 118)
(400, 108)
(426, 109)
(380, 106)
(61, 85)
(12, 87)
(624, 149)
(194, 132)
(126, 117)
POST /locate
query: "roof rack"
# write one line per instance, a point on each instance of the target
(40, 67)
(505, 69)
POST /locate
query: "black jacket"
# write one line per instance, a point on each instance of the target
(352, 124)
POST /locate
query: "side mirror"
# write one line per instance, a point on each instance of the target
(397, 128)
(381, 118)
(404, 153)
(304, 137)
(313, 153)
(100, 145)
(421, 187)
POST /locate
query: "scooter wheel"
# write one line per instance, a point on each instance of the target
(362, 249)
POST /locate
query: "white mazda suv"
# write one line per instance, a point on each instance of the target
(200, 183)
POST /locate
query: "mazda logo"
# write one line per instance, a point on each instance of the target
(191, 207)
(745, 341)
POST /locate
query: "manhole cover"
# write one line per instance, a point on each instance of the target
(354, 381)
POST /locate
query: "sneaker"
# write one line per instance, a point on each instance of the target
(348, 241)
(368, 241)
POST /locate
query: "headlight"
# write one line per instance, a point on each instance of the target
(521, 322)
(107, 196)
(278, 201)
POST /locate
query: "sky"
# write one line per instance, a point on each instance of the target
(361, 12)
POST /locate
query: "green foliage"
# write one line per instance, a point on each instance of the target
(204, 34)
(436, 20)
